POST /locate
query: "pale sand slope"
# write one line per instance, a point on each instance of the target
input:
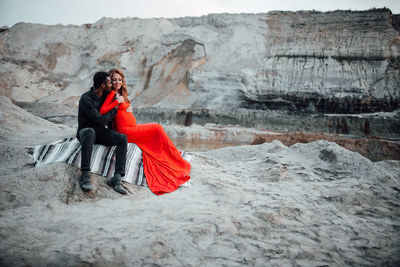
(310, 204)
(264, 205)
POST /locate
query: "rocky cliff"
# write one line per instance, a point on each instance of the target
(236, 65)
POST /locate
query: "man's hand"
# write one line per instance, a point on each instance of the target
(120, 98)
(129, 109)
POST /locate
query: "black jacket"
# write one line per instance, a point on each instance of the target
(89, 112)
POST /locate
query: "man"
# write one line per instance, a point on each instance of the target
(92, 129)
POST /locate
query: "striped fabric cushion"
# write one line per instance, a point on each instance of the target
(68, 151)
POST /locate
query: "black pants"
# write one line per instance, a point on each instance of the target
(88, 137)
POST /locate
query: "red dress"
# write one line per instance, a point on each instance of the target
(164, 167)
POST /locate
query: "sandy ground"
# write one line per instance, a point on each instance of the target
(310, 204)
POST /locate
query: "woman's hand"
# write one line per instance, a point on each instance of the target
(120, 98)
(129, 109)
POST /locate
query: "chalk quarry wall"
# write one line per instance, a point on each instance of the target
(240, 65)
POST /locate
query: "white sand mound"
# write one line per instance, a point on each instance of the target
(308, 204)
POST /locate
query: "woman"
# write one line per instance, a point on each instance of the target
(164, 167)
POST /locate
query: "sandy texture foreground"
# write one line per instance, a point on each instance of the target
(313, 204)
(262, 205)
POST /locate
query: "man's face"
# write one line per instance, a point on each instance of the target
(107, 85)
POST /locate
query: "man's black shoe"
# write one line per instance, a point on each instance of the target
(84, 182)
(115, 183)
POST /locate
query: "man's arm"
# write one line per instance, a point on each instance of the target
(94, 115)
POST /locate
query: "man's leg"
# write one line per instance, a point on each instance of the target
(87, 137)
(112, 138)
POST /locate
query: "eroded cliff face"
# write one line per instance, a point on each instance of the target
(298, 62)
(337, 62)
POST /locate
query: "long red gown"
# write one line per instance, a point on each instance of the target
(164, 167)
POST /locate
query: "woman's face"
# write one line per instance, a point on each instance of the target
(116, 80)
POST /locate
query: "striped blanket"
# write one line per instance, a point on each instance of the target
(103, 158)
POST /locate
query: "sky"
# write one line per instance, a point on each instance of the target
(79, 12)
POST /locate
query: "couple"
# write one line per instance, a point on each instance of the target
(105, 117)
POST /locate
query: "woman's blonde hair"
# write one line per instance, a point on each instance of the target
(124, 91)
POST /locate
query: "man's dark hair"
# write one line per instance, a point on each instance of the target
(99, 78)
